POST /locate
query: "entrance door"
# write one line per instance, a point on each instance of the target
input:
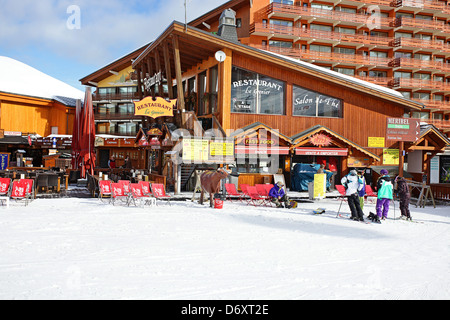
(104, 157)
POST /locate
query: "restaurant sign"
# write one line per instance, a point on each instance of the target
(154, 108)
(321, 151)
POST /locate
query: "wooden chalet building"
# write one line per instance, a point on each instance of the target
(229, 86)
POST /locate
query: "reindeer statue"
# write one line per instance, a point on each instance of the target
(210, 181)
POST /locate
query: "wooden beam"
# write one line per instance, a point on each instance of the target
(168, 69)
(224, 94)
(138, 71)
(158, 69)
(177, 61)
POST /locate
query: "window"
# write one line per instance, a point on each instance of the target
(406, 94)
(421, 96)
(421, 115)
(201, 93)
(315, 47)
(213, 88)
(320, 27)
(345, 30)
(345, 50)
(403, 35)
(280, 44)
(423, 36)
(379, 34)
(283, 1)
(404, 15)
(350, 72)
(422, 76)
(284, 23)
(421, 56)
(400, 74)
(378, 54)
(378, 74)
(344, 9)
(252, 92)
(398, 54)
(106, 90)
(238, 23)
(321, 6)
(309, 103)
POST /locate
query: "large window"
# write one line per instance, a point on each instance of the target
(309, 103)
(252, 92)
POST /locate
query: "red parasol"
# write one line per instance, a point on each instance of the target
(87, 136)
(76, 136)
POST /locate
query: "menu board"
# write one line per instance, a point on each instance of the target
(211, 151)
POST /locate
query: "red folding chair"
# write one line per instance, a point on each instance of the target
(5, 186)
(268, 187)
(231, 191)
(159, 192)
(341, 190)
(370, 194)
(22, 190)
(255, 198)
(137, 194)
(118, 193)
(126, 186)
(146, 188)
(263, 193)
(244, 188)
(104, 187)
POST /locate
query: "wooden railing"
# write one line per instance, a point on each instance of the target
(423, 4)
(115, 96)
(420, 43)
(441, 191)
(419, 83)
(421, 24)
(420, 64)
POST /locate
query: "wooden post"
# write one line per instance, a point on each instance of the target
(401, 159)
(138, 70)
(168, 70)
(224, 94)
(178, 71)
(158, 69)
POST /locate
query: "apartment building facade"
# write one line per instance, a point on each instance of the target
(400, 44)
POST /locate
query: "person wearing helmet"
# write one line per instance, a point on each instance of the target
(278, 196)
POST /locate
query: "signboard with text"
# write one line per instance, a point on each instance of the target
(402, 129)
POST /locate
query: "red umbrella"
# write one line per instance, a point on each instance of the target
(87, 136)
(76, 136)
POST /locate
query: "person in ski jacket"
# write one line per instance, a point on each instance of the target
(278, 196)
(362, 193)
(405, 196)
(353, 185)
(384, 194)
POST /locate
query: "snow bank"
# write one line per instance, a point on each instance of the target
(83, 249)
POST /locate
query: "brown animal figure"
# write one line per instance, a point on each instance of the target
(210, 181)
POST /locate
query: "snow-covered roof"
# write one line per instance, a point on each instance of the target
(19, 78)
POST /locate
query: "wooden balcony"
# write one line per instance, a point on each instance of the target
(116, 116)
(296, 12)
(334, 58)
(442, 125)
(420, 65)
(422, 5)
(115, 96)
(421, 45)
(419, 84)
(424, 25)
(435, 105)
(296, 33)
(381, 81)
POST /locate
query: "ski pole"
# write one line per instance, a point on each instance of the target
(340, 207)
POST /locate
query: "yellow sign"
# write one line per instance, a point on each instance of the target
(376, 142)
(195, 150)
(159, 107)
(221, 149)
(320, 185)
(391, 156)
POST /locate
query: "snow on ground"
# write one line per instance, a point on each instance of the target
(80, 248)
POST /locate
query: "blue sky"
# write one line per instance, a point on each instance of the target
(55, 38)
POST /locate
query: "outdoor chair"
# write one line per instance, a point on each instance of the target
(146, 190)
(118, 193)
(231, 191)
(159, 192)
(263, 193)
(5, 186)
(53, 181)
(268, 187)
(341, 189)
(255, 199)
(126, 186)
(42, 182)
(105, 190)
(137, 194)
(243, 188)
(370, 195)
(22, 190)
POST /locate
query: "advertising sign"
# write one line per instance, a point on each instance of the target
(204, 150)
(159, 107)
(4, 160)
(375, 142)
(320, 185)
(391, 156)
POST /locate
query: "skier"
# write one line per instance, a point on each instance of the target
(384, 193)
(362, 193)
(353, 184)
(277, 195)
(404, 196)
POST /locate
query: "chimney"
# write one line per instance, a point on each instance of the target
(227, 25)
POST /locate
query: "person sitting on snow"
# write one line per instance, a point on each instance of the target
(277, 196)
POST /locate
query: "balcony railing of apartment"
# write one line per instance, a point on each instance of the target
(426, 45)
(435, 105)
(419, 83)
(433, 25)
(115, 96)
(443, 125)
(422, 4)
(296, 11)
(333, 57)
(381, 81)
(420, 64)
(296, 33)
(116, 116)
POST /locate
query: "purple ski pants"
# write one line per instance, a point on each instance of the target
(383, 207)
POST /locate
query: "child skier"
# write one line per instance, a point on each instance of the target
(404, 196)
(362, 193)
(384, 193)
(353, 184)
